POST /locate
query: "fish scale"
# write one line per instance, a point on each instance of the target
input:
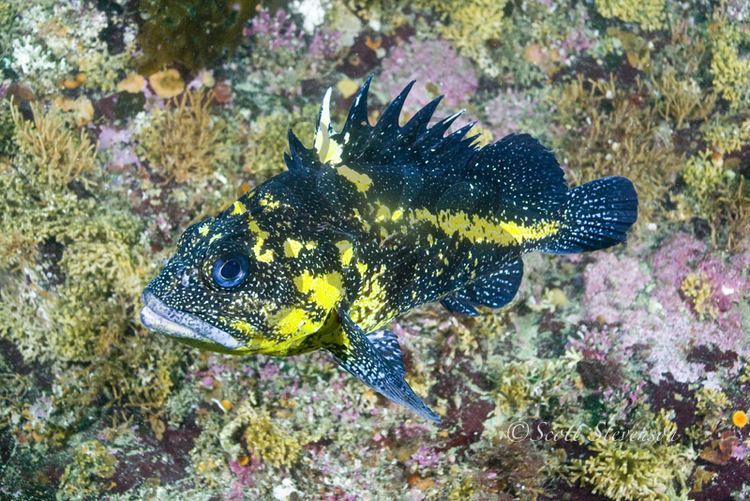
(370, 222)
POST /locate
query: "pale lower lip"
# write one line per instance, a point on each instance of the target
(159, 317)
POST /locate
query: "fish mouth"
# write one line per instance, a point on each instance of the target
(166, 320)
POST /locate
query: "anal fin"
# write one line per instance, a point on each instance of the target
(457, 302)
(494, 289)
(356, 353)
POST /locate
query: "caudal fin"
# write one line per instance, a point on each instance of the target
(594, 216)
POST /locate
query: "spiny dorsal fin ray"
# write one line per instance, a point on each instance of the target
(357, 118)
(418, 123)
(300, 158)
(386, 141)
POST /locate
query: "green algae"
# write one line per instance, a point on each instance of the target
(193, 33)
(652, 468)
(649, 15)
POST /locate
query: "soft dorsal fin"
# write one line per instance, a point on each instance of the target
(525, 172)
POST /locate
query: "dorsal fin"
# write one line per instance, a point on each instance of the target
(415, 143)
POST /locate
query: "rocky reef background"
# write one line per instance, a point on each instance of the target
(613, 375)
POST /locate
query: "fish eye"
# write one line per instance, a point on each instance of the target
(230, 271)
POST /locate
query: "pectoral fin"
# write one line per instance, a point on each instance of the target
(386, 343)
(356, 354)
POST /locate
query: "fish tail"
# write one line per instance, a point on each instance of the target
(595, 216)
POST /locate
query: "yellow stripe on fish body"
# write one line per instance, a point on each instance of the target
(369, 309)
(362, 182)
(478, 229)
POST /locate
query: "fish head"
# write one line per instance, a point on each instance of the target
(222, 290)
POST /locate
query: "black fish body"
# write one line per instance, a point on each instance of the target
(369, 223)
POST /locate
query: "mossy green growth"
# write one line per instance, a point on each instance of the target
(471, 25)
(267, 142)
(72, 267)
(648, 463)
(616, 130)
(185, 140)
(254, 431)
(721, 196)
(681, 98)
(7, 130)
(536, 388)
(727, 133)
(91, 463)
(711, 405)
(194, 33)
(649, 14)
(730, 71)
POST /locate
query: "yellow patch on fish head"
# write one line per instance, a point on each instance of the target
(295, 321)
(323, 290)
(346, 252)
(292, 248)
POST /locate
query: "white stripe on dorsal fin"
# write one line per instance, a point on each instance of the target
(328, 150)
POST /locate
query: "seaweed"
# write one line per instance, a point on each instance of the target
(720, 195)
(192, 33)
(730, 71)
(617, 131)
(184, 140)
(82, 478)
(649, 15)
(649, 467)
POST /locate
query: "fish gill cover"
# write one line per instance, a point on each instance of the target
(620, 373)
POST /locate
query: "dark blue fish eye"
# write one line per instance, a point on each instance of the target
(230, 271)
